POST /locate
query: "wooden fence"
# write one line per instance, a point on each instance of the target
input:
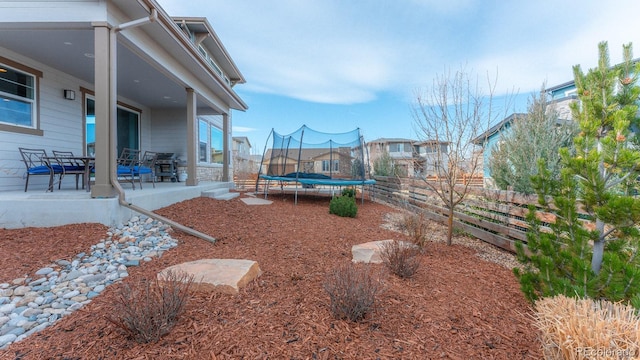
(494, 216)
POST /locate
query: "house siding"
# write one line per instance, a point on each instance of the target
(169, 132)
(60, 121)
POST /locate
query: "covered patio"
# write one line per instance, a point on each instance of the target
(93, 78)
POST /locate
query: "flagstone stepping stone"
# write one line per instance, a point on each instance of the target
(218, 275)
(369, 252)
(256, 201)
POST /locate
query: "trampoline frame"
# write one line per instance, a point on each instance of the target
(308, 181)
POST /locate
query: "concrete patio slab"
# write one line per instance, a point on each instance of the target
(256, 201)
(218, 275)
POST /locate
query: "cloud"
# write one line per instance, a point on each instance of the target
(243, 129)
(337, 52)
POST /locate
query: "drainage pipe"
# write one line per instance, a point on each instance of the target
(113, 174)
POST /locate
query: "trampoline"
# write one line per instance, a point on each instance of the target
(309, 159)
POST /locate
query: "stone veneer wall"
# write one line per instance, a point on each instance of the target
(209, 173)
(205, 173)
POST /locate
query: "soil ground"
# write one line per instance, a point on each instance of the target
(457, 306)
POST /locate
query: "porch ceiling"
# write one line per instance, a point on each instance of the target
(71, 51)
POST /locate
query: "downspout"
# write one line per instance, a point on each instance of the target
(113, 174)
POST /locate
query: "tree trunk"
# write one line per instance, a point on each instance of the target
(450, 227)
(598, 248)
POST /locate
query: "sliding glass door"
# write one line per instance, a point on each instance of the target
(128, 128)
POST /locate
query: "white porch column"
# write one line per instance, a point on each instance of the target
(226, 157)
(102, 51)
(192, 139)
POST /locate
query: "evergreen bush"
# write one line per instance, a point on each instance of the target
(351, 192)
(592, 247)
(344, 206)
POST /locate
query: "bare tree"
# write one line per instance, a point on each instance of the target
(455, 111)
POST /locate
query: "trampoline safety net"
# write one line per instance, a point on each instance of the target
(313, 157)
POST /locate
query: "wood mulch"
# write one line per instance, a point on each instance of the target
(457, 306)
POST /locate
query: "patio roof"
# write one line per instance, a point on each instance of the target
(69, 46)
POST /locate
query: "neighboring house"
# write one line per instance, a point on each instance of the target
(399, 150)
(490, 139)
(255, 161)
(560, 96)
(241, 154)
(410, 158)
(80, 75)
(429, 156)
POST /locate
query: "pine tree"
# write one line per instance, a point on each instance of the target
(383, 164)
(569, 258)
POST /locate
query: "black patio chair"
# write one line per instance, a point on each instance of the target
(37, 163)
(146, 167)
(128, 160)
(71, 166)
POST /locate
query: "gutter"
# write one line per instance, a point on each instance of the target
(113, 174)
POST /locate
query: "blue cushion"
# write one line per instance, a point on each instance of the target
(124, 170)
(37, 170)
(42, 169)
(141, 170)
(73, 168)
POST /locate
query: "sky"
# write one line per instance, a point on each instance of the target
(337, 65)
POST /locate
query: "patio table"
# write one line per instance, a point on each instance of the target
(87, 162)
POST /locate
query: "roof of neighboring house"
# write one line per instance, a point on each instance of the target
(431, 142)
(402, 140)
(571, 83)
(497, 128)
(391, 140)
(562, 86)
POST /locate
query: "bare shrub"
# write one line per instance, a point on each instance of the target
(352, 291)
(416, 227)
(150, 309)
(587, 329)
(400, 258)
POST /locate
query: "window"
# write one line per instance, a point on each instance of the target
(128, 127)
(128, 130)
(216, 146)
(18, 95)
(335, 165)
(395, 147)
(210, 141)
(203, 134)
(213, 64)
(400, 147)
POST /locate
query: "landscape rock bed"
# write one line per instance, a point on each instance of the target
(30, 304)
(457, 306)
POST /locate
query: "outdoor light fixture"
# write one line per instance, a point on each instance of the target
(69, 94)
